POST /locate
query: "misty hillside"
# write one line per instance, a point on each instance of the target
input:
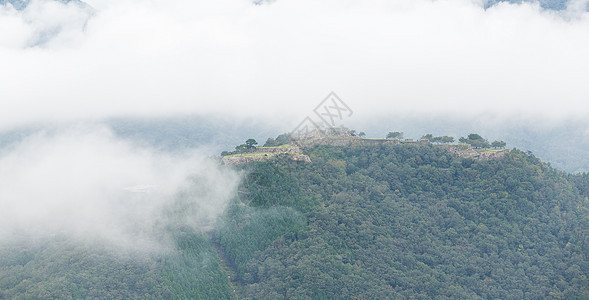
(374, 222)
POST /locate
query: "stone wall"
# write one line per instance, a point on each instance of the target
(344, 141)
(282, 149)
(266, 153)
(466, 151)
(294, 151)
(237, 160)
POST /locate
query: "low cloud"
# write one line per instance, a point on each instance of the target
(279, 59)
(86, 183)
(50, 24)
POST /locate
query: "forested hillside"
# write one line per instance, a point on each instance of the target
(65, 268)
(388, 221)
(400, 221)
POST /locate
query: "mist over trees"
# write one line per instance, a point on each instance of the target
(88, 215)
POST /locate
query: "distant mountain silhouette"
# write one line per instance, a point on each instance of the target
(22, 4)
(546, 4)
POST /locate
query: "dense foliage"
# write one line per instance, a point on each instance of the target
(66, 268)
(247, 230)
(403, 221)
(367, 222)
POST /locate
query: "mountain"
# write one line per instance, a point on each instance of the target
(18, 4)
(22, 4)
(373, 220)
(409, 221)
(546, 4)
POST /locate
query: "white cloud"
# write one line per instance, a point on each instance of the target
(43, 22)
(157, 57)
(86, 182)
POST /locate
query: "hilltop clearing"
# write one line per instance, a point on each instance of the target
(293, 147)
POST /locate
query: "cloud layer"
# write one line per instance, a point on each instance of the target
(87, 183)
(134, 57)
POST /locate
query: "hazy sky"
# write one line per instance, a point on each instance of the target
(277, 61)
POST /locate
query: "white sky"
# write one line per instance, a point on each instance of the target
(277, 61)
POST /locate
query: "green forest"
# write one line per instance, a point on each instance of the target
(394, 221)
(401, 221)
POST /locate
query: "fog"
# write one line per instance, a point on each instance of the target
(276, 61)
(86, 183)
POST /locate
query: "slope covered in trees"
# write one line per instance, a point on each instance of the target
(66, 268)
(374, 222)
(400, 221)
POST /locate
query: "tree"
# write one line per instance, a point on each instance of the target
(283, 139)
(479, 143)
(250, 144)
(447, 139)
(498, 144)
(395, 135)
(362, 134)
(475, 141)
(428, 137)
(474, 136)
(270, 142)
(241, 148)
(280, 140)
(353, 132)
